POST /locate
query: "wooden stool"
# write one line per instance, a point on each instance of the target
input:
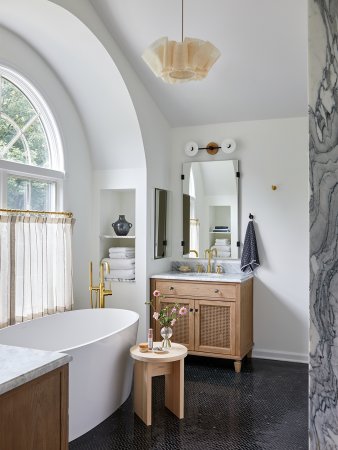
(149, 365)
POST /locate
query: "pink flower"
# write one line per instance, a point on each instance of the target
(156, 293)
(156, 315)
(173, 310)
(182, 311)
(172, 323)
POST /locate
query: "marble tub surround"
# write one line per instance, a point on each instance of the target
(229, 266)
(20, 365)
(213, 277)
(323, 151)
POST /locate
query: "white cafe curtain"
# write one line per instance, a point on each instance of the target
(35, 267)
(194, 234)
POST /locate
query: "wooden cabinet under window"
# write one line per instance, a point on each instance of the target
(219, 319)
(34, 416)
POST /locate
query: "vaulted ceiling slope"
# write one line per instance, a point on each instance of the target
(262, 72)
(38, 23)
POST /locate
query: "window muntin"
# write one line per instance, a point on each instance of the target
(15, 104)
(22, 135)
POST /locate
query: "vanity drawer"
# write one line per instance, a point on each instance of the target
(217, 291)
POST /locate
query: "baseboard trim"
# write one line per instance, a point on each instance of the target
(281, 356)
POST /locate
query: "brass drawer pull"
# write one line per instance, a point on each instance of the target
(196, 310)
(191, 309)
(216, 291)
(171, 288)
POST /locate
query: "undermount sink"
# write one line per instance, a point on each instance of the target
(204, 274)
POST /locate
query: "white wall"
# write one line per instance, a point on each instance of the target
(154, 127)
(98, 124)
(17, 54)
(85, 55)
(125, 295)
(270, 152)
(86, 69)
(156, 138)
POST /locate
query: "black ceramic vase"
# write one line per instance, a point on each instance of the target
(121, 226)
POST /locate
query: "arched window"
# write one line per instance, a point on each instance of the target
(31, 157)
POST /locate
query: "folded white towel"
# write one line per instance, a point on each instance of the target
(121, 256)
(222, 241)
(120, 263)
(121, 278)
(223, 255)
(130, 253)
(121, 249)
(123, 274)
(222, 248)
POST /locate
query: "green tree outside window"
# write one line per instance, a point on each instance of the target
(22, 135)
(23, 139)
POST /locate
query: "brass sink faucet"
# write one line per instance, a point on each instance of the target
(210, 252)
(100, 289)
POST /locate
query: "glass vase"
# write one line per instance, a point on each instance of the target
(166, 333)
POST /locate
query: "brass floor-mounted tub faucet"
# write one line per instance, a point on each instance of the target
(99, 290)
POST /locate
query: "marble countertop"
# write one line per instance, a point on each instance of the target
(20, 365)
(214, 277)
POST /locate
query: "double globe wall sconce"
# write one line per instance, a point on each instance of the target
(228, 146)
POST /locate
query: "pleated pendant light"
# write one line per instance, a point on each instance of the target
(177, 62)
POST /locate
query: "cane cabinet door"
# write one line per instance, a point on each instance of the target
(215, 326)
(183, 330)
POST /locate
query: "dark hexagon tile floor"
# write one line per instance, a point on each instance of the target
(262, 408)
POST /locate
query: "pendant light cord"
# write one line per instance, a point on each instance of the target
(182, 20)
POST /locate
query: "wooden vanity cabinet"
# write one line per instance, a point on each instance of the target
(34, 416)
(219, 319)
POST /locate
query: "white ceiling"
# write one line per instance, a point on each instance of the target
(262, 72)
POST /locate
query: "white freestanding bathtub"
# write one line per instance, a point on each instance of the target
(100, 374)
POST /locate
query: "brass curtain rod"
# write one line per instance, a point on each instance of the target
(28, 211)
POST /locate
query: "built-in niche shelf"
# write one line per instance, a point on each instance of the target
(113, 203)
(108, 236)
(220, 232)
(219, 217)
(108, 280)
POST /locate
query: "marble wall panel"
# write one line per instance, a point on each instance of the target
(323, 148)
